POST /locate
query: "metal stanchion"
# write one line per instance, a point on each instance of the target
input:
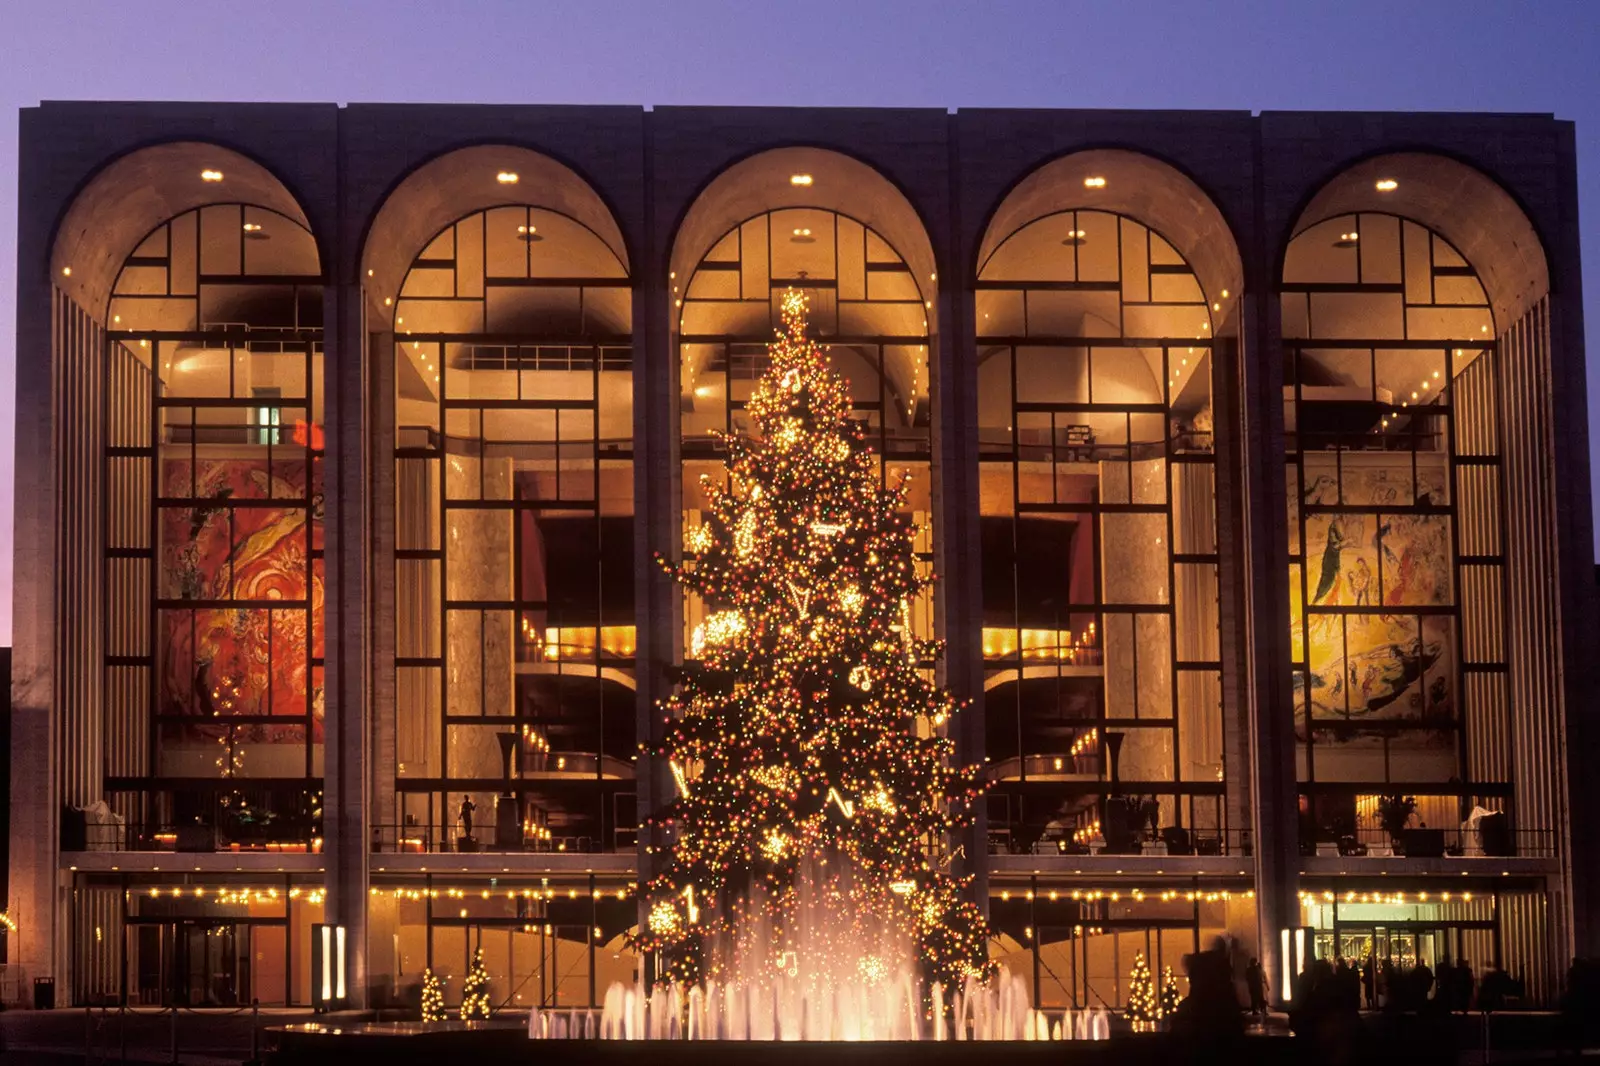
(255, 1031)
(88, 1032)
(174, 1033)
(122, 1038)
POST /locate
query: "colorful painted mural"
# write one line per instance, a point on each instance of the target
(1393, 664)
(255, 659)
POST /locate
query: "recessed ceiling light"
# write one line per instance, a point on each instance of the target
(1095, 182)
(800, 179)
(1075, 237)
(66, 272)
(506, 177)
(211, 175)
(1387, 185)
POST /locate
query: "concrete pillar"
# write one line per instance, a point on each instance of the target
(1228, 406)
(1269, 694)
(657, 501)
(380, 502)
(958, 556)
(346, 563)
(35, 833)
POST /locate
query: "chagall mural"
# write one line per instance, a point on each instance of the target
(235, 544)
(1394, 663)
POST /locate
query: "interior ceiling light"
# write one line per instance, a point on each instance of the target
(800, 179)
(1095, 182)
(506, 177)
(1347, 240)
(529, 234)
(1387, 185)
(1075, 236)
(66, 272)
(802, 235)
(254, 232)
(211, 175)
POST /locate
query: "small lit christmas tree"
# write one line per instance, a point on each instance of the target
(432, 997)
(475, 990)
(806, 742)
(1169, 992)
(1143, 1007)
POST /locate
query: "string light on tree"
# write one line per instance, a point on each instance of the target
(1144, 1008)
(475, 991)
(800, 707)
(1169, 992)
(432, 997)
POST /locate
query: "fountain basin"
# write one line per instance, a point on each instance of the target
(506, 1042)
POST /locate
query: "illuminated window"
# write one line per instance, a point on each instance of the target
(1097, 512)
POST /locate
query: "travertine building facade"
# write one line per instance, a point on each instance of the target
(1251, 451)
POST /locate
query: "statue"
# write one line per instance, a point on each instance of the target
(465, 816)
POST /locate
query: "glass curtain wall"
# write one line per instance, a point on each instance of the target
(1096, 494)
(213, 713)
(514, 541)
(865, 306)
(1397, 576)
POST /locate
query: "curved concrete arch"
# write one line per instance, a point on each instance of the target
(134, 194)
(1459, 202)
(760, 183)
(901, 376)
(459, 183)
(1141, 187)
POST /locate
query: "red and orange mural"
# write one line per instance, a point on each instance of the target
(235, 544)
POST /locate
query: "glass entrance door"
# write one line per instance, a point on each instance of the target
(209, 964)
(1396, 951)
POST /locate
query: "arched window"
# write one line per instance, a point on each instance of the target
(1395, 491)
(1099, 555)
(213, 528)
(514, 716)
(865, 305)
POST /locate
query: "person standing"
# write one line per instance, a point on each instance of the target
(1369, 981)
(1256, 978)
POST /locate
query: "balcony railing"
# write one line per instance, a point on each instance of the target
(143, 837)
(434, 840)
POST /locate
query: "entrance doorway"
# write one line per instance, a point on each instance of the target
(207, 963)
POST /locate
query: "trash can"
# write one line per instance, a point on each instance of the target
(44, 993)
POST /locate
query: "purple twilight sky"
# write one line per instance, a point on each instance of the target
(1480, 55)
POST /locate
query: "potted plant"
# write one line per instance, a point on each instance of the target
(1394, 812)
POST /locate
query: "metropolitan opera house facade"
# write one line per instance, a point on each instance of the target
(1250, 451)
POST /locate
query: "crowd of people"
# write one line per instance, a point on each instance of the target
(1383, 984)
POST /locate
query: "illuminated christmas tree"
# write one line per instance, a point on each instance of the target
(432, 997)
(1169, 992)
(475, 990)
(1143, 1007)
(805, 739)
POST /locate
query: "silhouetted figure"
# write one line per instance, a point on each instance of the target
(465, 814)
(1255, 979)
(1493, 990)
(1386, 982)
(1208, 1020)
(1580, 1006)
(1421, 984)
(1461, 987)
(1369, 981)
(1326, 1023)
